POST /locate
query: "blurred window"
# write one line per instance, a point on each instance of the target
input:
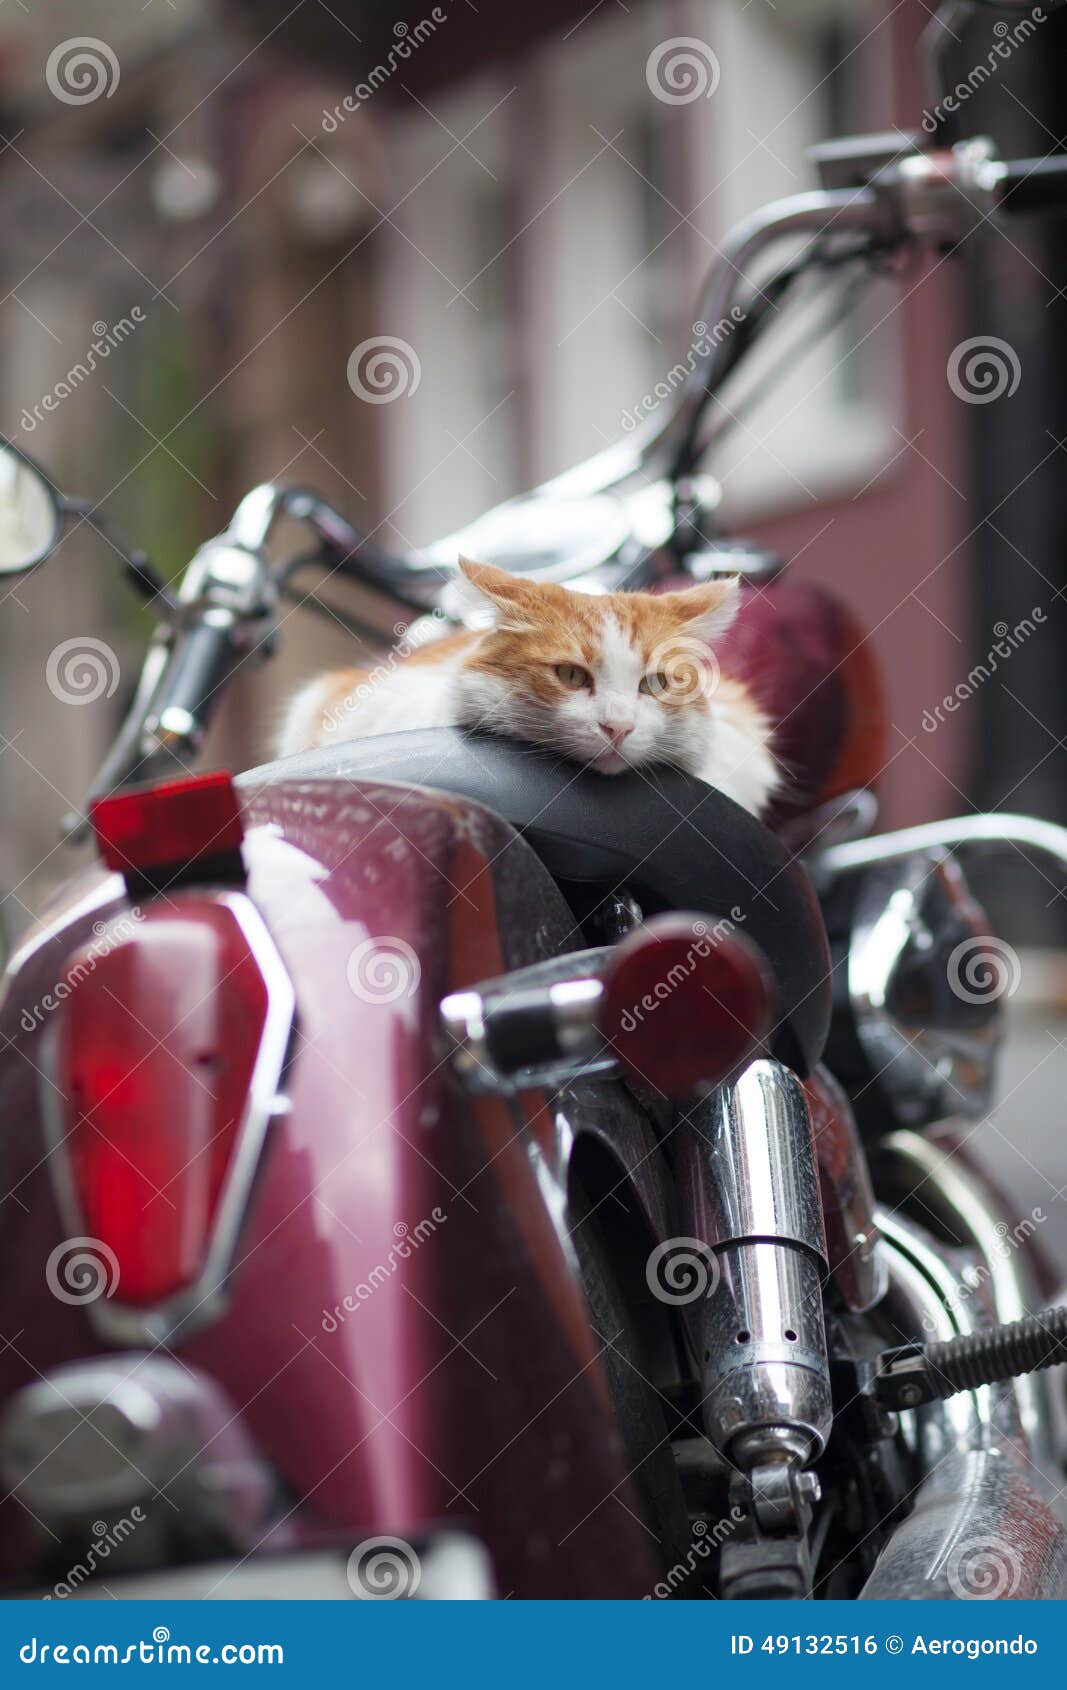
(555, 225)
(448, 286)
(791, 75)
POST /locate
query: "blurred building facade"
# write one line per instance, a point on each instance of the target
(505, 195)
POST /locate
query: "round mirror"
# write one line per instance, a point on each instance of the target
(29, 513)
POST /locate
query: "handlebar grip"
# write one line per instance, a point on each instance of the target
(1033, 185)
(203, 657)
(181, 703)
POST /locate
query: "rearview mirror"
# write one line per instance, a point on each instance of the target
(30, 515)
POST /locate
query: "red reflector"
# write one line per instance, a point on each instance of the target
(687, 1003)
(176, 822)
(157, 1047)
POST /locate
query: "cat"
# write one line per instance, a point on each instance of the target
(615, 681)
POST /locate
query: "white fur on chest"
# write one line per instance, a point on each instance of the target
(406, 698)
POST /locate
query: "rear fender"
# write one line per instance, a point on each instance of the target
(402, 1329)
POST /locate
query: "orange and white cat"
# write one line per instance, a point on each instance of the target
(615, 681)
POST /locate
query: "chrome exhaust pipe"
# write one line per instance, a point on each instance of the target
(979, 1529)
(751, 1186)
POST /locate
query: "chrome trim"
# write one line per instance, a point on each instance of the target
(563, 995)
(1029, 833)
(95, 1437)
(987, 1516)
(755, 1150)
(931, 1048)
(751, 1183)
(931, 1313)
(758, 1386)
(201, 1302)
(53, 924)
(957, 1187)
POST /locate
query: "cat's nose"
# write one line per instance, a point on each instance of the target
(616, 732)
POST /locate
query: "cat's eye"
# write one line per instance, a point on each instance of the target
(656, 684)
(573, 676)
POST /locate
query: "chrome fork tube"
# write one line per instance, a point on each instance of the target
(750, 1187)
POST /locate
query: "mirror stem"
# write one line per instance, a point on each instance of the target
(139, 568)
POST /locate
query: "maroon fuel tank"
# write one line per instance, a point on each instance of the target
(402, 1329)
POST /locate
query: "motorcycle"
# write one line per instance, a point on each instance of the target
(439, 1171)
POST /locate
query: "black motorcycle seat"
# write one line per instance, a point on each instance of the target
(672, 841)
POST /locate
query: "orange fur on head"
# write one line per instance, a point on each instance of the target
(537, 625)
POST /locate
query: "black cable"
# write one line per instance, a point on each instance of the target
(766, 299)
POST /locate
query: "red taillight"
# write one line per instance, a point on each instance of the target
(156, 1052)
(178, 822)
(687, 1003)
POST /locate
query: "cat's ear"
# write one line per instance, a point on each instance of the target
(708, 610)
(509, 601)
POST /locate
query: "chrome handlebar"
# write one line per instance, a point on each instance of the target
(227, 605)
(1026, 834)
